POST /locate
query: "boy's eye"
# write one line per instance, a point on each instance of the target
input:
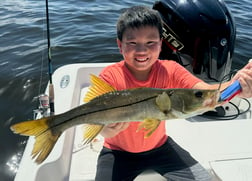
(150, 43)
(131, 43)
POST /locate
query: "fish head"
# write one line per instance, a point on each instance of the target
(189, 102)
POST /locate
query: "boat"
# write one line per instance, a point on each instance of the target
(223, 147)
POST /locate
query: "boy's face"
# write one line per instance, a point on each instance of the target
(140, 48)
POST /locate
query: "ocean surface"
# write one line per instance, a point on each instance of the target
(81, 31)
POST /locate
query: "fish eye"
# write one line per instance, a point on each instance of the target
(198, 94)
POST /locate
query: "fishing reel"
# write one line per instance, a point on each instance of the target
(43, 108)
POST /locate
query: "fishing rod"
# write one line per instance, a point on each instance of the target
(50, 71)
(46, 102)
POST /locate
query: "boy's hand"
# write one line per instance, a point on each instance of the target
(244, 76)
(113, 129)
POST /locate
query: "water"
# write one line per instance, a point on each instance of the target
(81, 31)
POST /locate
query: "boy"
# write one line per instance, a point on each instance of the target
(126, 153)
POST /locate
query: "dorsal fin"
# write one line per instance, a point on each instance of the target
(97, 88)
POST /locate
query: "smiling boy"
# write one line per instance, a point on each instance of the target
(126, 153)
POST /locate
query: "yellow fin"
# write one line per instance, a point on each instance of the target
(97, 88)
(91, 131)
(43, 146)
(31, 128)
(44, 138)
(148, 125)
(163, 101)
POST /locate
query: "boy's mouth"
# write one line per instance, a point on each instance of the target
(141, 59)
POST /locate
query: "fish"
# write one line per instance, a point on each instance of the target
(105, 105)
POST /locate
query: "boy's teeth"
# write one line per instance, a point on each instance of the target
(141, 59)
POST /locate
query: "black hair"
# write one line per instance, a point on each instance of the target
(136, 17)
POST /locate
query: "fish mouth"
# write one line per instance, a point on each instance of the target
(212, 101)
(209, 103)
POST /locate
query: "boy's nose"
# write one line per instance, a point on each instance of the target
(141, 48)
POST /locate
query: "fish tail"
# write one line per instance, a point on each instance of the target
(45, 139)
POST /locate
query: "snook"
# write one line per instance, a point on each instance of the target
(148, 105)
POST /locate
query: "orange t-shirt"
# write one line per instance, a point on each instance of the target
(164, 74)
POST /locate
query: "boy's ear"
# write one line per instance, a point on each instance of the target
(119, 44)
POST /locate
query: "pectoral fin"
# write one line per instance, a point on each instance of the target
(91, 131)
(148, 125)
(163, 102)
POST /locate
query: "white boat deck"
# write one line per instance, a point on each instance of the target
(222, 147)
(221, 152)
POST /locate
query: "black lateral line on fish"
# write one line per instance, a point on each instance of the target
(98, 111)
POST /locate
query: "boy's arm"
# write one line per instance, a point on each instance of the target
(244, 76)
(204, 85)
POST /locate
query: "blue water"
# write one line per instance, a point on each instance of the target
(81, 31)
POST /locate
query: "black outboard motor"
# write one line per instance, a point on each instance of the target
(200, 35)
